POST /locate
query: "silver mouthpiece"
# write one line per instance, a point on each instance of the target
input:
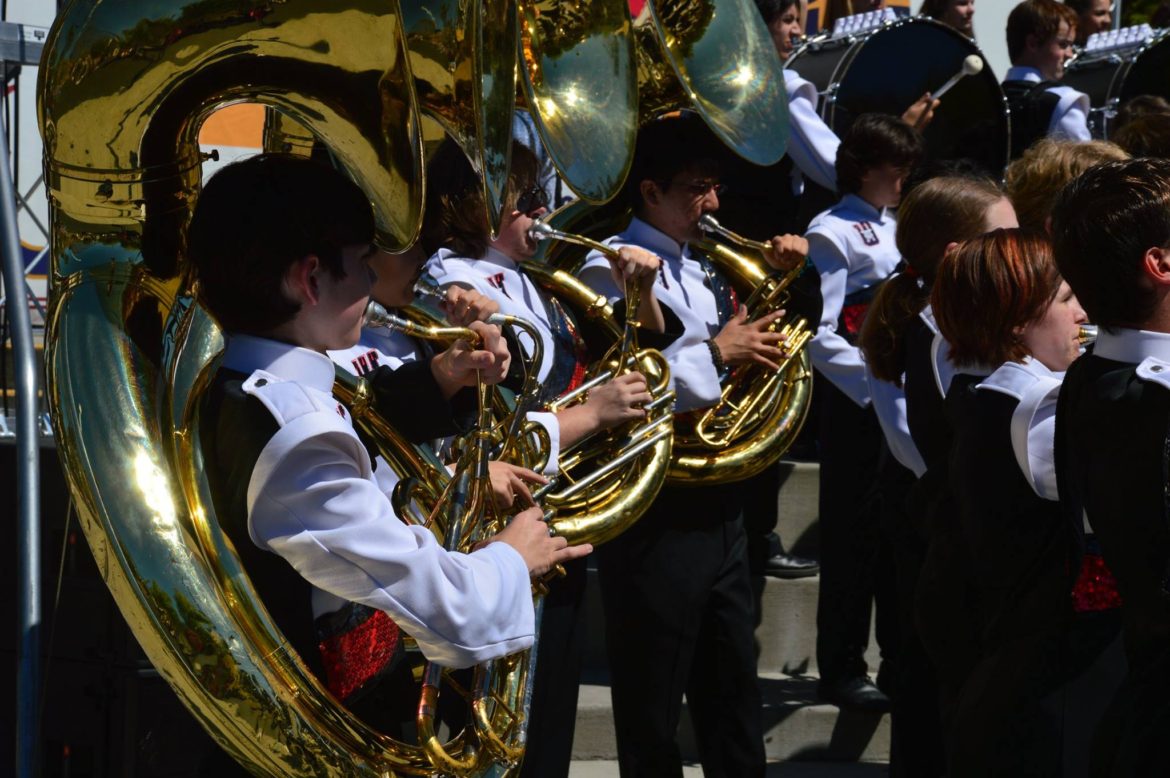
(1087, 334)
(428, 289)
(541, 231)
(709, 223)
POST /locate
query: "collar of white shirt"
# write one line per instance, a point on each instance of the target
(653, 239)
(1015, 378)
(857, 204)
(498, 258)
(1132, 346)
(1021, 73)
(247, 354)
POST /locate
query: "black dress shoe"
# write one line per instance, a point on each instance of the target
(855, 694)
(789, 566)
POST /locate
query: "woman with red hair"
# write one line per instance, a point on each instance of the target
(1006, 314)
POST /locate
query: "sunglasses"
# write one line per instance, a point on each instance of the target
(700, 187)
(531, 200)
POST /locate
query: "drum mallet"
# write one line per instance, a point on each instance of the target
(971, 65)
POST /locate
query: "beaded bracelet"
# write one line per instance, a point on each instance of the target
(716, 356)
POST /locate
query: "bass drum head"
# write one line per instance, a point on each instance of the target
(895, 65)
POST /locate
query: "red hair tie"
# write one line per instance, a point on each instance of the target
(909, 271)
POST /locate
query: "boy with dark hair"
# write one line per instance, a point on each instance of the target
(1111, 230)
(853, 248)
(1040, 36)
(280, 247)
(676, 586)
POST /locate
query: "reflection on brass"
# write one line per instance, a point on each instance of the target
(761, 411)
(123, 89)
(607, 481)
(463, 59)
(717, 58)
(578, 72)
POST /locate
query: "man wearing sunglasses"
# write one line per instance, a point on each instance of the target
(676, 587)
(456, 233)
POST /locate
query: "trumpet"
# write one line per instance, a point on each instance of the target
(1087, 334)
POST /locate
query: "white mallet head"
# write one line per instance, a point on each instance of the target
(972, 65)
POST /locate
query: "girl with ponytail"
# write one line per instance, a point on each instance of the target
(897, 340)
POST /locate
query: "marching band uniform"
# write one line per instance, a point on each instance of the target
(852, 246)
(1111, 452)
(1043, 108)
(675, 586)
(565, 358)
(1004, 482)
(271, 428)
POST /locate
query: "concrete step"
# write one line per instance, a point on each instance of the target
(796, 726)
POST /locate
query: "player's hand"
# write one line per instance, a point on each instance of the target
(510, 484)
(633, 262)
(619, 400)
(461, 364)
(529, 535)
(786, 251)
(921, 112)
(464, 306)
(742, 342)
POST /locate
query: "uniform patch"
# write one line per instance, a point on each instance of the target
(868, 234)
(497, 282)
(365, 363)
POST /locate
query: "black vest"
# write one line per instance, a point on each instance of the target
(1113, 463)
(925, 411)
(1030, 105)
(1025, 550)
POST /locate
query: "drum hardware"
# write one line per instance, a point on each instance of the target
(863, 23)
(1113, 68)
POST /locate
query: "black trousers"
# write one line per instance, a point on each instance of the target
(678, 614)
(856, 565)
(552, 716)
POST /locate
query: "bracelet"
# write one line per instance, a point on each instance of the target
(716, 356)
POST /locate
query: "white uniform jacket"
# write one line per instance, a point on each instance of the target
(852, 247)
(313, 499)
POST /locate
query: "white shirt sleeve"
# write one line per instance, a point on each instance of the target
(811, 144)
(837, 360)
(890, 404)
(1070, 118)
(553, 428)
(311, 500)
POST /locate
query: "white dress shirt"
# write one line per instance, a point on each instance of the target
(811, 144)
(313, 500)
(1033, 426)
(852, 247)
(682, 285)
(1070, 118)
(498, 277)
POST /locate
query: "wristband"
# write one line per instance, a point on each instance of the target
(716, 356)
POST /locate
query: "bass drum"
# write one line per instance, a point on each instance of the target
(886, 70)
(1110, 79)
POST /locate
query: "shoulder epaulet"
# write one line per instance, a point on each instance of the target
(1154, 371)
(288, 400)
